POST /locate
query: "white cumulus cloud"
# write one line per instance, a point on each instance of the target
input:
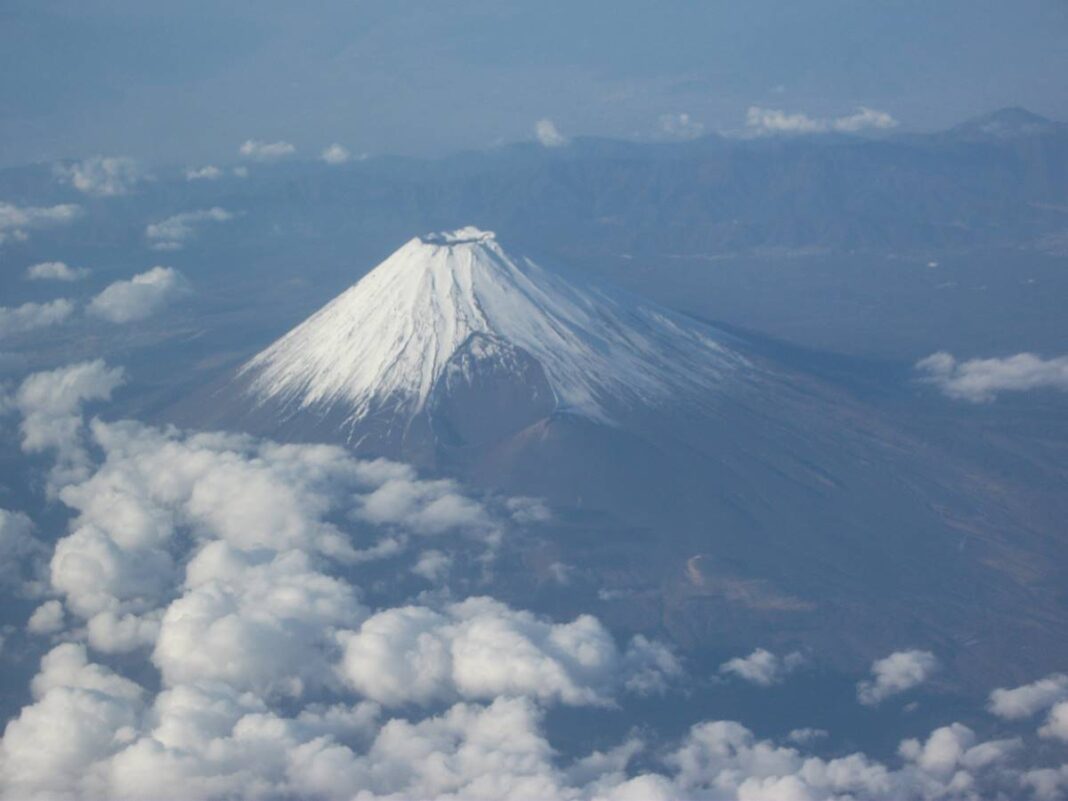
(982, 380)
(895, 674)
(1026, 700)
(480, 649)
(139, 297)
(762, 667)
(266, 151)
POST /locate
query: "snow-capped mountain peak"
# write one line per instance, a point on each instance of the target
(382, 345)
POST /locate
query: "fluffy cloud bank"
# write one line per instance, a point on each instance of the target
(103, 176)
(55, 271)
(140, 297)
(173, 232)
(982, 380)
(32, 316)
(266, 151)
(766, 121)
(225, 570)
(15, 221)
(895, 674)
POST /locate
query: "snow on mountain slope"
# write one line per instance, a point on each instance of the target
(385, 342)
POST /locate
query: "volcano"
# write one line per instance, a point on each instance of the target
(702, 486)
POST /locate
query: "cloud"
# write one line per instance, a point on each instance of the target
(102, 176)
(266, 151)
(21, 554)
(481, 649)
(336, 154)
(981, 380)
(1056, 725)
(895, 674)
(33, 316)
(140, 297)
(680, 126)
(1026, 700)
(207, 173)
(766, 121)
(55, 271)
(546, 132)
(51, 407)
(763, 667)
(173, 232)
(15, 221)
(46, 618)
(224, 567)
(432, 565)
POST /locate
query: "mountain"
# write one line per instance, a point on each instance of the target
(702, 487)
(1008, 123)
(452, 313)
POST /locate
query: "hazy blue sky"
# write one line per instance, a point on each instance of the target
(190, 81)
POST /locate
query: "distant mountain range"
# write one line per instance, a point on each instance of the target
(995, 180)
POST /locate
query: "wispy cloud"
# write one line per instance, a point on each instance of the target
(680, 126)
(982, 380)
(546, 132)
(102, 176)
(56, 271)
(336, 154)
(266, 151)
(173, 232)
(207, 173)
(766, 121)
(16, 221)
(32, 316)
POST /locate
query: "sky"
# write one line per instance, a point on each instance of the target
(167, 83)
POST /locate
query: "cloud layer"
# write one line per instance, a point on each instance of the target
(224, 569)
